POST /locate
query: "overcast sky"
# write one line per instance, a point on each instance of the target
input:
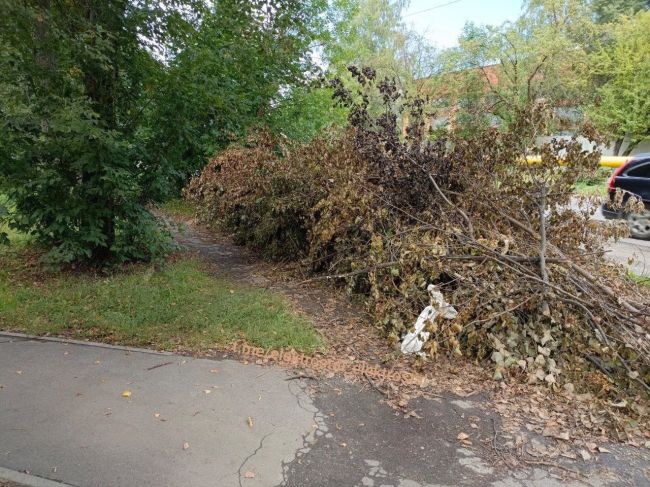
(443, 24)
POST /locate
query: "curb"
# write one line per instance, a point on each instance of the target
(28, 480)
(23, 336)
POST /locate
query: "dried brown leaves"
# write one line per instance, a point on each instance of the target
(386, 215)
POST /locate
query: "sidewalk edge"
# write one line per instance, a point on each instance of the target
(24, 336)
(28, 480)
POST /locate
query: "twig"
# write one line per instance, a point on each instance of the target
(557, 465)
(160, 365)
(494, 438)
(516, 258)
(373, 385)
(470, 227)
(592, 280)
(301, 376)
(542, 237)
(351, 274)
(598, 363)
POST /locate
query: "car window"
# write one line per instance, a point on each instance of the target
(642, 171)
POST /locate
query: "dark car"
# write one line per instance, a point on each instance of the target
(633, 178)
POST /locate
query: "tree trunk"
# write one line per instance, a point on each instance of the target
(101, 253)
(631, 147)
(617, 146)
(100, 88)
(542, 236)
(43, 54)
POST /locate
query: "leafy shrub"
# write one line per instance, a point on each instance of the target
(597, 177)
(72, 82)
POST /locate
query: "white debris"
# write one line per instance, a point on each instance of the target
(412, 342)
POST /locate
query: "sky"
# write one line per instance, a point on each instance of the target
(442, 25)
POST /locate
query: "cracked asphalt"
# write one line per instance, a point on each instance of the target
(196, 422)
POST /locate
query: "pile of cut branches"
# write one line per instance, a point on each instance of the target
(387, 213)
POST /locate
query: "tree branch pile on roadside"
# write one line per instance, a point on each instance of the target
(387, 213)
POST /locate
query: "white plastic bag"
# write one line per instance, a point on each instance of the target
(412, 342)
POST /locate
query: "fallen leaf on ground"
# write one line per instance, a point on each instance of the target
(462, 436)
(602, 449)
(558, 435)
(249, 475)
(249, 420)
(19, 372)
(214, 371)
(585, 455)
(126, 393)
(207, 391)
(186, 445)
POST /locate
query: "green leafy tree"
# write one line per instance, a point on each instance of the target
(303, 112)
(610, 10)
(372, 33)
(538, 59)
(73, 83)
(108, 106)
(620, 72)
(236, 69)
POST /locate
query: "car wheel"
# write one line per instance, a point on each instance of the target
(639, 224)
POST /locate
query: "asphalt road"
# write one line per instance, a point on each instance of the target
(64, 421)
(633, 253)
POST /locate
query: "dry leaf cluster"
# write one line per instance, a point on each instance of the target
(386, 213)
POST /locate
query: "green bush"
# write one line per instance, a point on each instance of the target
(71, 158)
(106, 107)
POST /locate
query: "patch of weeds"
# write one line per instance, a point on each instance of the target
(179, 207)
(14, 246)
(643, 280)
(595, 185)
(178, 306)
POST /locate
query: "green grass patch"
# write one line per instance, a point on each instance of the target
(595, 185)
(179, 306)
(179, 207)
(591, 189)
(643, 280)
